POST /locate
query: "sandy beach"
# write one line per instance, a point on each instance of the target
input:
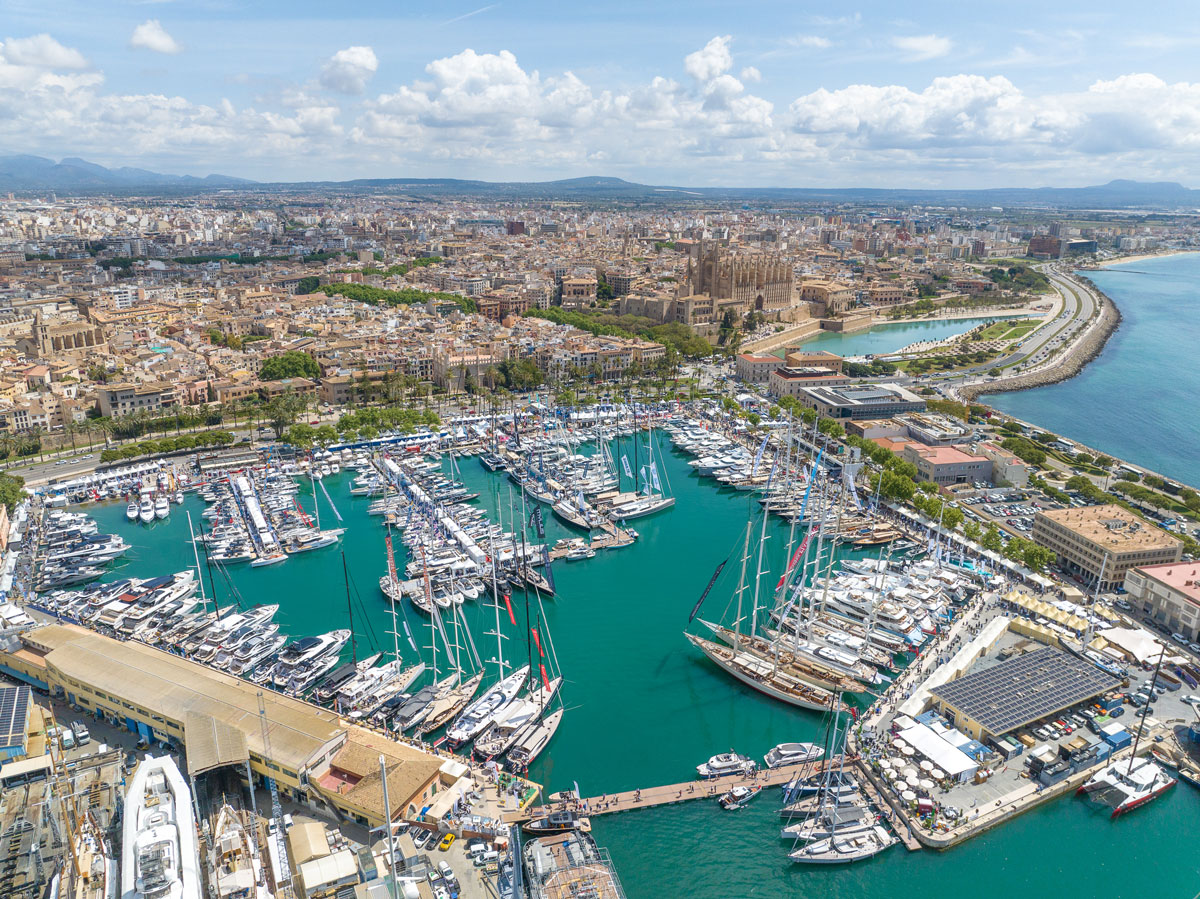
(1142, 257)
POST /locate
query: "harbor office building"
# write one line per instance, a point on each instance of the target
(1170, 594)
(1108, 539)
(219, 720)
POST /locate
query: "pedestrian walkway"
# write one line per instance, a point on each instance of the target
(650, 797)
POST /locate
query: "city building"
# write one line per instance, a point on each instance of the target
(947, 465)
(118, 400)
(789, 381)
(1168, 593)
(754, 369)
(857, 402)
(1109, 538)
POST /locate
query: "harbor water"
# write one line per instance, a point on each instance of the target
(644, 707)
(1137, 399)
(890, 337)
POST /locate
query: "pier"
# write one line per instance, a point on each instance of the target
(652, 797)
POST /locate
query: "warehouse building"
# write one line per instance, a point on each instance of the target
(219, 720)
(1017, 692)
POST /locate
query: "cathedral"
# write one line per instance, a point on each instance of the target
(755, 281)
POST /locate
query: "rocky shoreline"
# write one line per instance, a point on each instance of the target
(1087, 349)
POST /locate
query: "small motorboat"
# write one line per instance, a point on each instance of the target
(726, 763)
(131, 511)
(558, 822)
(269, 559)
(738, 797)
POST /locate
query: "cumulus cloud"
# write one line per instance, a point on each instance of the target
(487, 115)
(40, 51)
(151, 35)
(349, 70)
(750, 73)
(710, 61)
(919, 48)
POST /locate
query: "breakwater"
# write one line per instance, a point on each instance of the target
(1070, 363)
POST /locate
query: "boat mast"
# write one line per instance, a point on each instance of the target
(199, 573)
(1145, 708)
(350, 610)
(737, 622)
(758, 570)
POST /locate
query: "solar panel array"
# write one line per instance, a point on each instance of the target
(14, 707)
(1024, 689)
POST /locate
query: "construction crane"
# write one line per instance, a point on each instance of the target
(285, 865)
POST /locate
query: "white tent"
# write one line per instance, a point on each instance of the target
(956, 763)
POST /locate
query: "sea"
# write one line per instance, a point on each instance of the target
(1137, 400)
(644, 707)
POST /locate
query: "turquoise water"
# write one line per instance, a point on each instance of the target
(893, 336)
(1137, 399)
(644, 708)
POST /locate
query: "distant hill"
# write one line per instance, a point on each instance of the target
(73, 175)
(39, 173)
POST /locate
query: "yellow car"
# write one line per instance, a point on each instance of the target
(447, 842)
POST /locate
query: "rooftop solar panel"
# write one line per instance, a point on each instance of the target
(1024, 689)
(14, 707)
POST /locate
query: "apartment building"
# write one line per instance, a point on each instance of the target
(1168, 593)
(119, 400)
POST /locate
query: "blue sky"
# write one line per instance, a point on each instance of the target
(950, 94)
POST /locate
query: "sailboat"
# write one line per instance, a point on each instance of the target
(237, 870)
(652, 497)
(837, 831)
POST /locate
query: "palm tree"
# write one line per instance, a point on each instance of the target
(69, 429)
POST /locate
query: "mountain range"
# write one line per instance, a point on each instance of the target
(77, 176)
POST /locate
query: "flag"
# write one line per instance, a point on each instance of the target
(511, 616)
(535, 519)
(549, 569)
(758, 456)
(545, 680)
(795, 558)
(538, 642)
(704, 595)
(654, 476)
(408, 634)
(625, 466)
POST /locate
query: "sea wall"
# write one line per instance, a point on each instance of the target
(1081, 352)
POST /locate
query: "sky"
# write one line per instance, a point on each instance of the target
(788, 94)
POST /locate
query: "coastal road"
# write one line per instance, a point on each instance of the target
(1078, 306)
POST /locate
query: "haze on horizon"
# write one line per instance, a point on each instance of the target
(685, 94)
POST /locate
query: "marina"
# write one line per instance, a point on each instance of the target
(743, 517)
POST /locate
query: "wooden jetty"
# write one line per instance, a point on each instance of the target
(651, 797)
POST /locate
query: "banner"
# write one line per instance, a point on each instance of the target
(511, 616)
(538, 642)
(654, 476)
(545, 680)
(704, 595)
(336, 514)
(625, 466)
